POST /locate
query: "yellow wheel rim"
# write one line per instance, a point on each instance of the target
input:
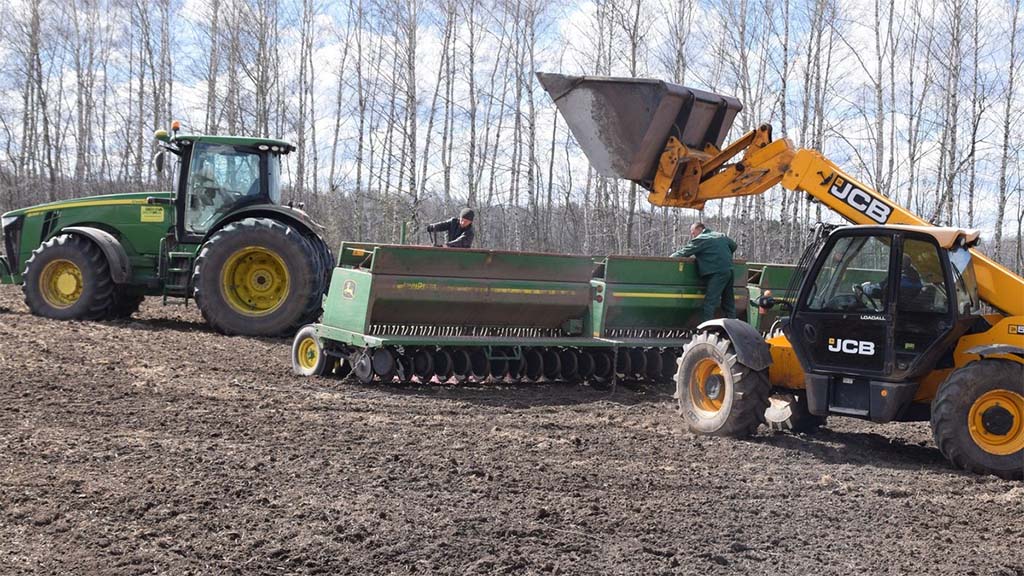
(707, 386)
(308, 353)
(255, 281)
(61, 283)
(996, 422)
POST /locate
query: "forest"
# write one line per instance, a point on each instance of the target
(407, 110)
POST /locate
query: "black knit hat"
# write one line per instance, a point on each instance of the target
(467, 213)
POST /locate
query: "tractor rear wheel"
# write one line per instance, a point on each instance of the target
(127, 300)
(717, 395)
(68, 278)
(258, 277)
(978, 418)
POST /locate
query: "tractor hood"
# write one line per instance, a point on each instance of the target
(137, 198)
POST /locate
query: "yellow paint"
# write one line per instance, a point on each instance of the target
(151, 214)
(308, 353)
(658, 295)
(998, 444)
(700, 395)
(689, 178)
(85, 204)
(434, 287)
(785, 371)
(255, 281)
(999, 333)
(60, 283)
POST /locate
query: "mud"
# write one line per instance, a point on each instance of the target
(155, 446)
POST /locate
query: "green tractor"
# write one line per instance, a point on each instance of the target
(254, 266)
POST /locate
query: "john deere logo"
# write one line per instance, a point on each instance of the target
(348, 289)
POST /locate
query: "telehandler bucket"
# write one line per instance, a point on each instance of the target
(623, 124)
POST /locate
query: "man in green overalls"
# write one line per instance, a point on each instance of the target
(713, 251)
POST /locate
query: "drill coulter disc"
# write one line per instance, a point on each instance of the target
(604, 366)
(570, 364)
(586, 363)
(362, 367)
(623, 363)
(653, 362)
(461, 364)
(422, 364)
(443, 365)
(384, 364)
(479, 364)
(669, 364)
(552, 365)
(533, 364)
(499, 366)
(637, 363)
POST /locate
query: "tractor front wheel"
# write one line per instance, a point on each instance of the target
(258, 277)
(717, 394)
(68, 278)
(978, 418)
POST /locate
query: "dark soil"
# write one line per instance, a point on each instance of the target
(156, 446)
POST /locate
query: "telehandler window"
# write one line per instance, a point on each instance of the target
(922, 280)
(967, 301)
(853, 276)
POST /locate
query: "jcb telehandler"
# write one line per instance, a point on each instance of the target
(889, 320)
(253, 265)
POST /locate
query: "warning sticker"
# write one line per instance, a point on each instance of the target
(152, 214)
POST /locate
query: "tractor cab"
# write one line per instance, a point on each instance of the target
(219, 175)
(879, 308)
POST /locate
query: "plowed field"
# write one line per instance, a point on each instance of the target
(156, 446)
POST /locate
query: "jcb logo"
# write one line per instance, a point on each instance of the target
(860, 200)
(859, 347)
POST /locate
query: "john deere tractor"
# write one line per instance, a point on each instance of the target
(223, 238)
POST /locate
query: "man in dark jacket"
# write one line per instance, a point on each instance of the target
(460, 229)
(713, 251)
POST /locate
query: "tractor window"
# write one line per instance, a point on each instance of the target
(853, 276)
(220, 177)
(922, 281)
(274, 179)
(967, 301)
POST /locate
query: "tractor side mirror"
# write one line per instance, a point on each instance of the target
(158, 161)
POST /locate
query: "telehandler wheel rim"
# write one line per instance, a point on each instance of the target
(308, 353)
(996, 422)
(255, 281)
(61, 283)
(707, 386)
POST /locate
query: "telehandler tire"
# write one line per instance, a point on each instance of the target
(258, 277)
(717, 395)
(68, 278)
(978, 418)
